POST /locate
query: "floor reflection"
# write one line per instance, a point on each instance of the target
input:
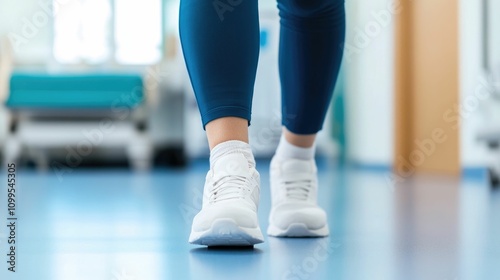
(226, 263)
(119, 225)
(427, 229)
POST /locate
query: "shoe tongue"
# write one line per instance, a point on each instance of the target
(232, 164)
(297, 166)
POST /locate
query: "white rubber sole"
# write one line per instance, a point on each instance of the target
(297, 230)
(226, 232)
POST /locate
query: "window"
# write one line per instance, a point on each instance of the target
(102, 31)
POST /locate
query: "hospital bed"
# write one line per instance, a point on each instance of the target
(80, 113)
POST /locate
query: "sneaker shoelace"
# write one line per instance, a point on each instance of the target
(229, 187)
(298, 189)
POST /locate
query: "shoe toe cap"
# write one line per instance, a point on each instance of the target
(243, 216)
(312, 216)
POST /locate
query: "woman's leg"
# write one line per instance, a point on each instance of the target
(221, 49)
(311, 47)
(311, 40)
(220, 41)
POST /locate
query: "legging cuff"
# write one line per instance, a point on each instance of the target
(226, 111)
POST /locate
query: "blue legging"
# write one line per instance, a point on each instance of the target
(220, 41)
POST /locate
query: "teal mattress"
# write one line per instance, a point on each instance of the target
(80, 91)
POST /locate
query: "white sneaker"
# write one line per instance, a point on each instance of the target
(230, 201)
(294, 211)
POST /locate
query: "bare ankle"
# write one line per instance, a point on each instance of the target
(299, 140)
(226, 129)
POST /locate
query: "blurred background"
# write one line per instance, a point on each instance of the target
(91, 90)
(103, 82)
(68, 66)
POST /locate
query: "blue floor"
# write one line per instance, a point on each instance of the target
(117, 225)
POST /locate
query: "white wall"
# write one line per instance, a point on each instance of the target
(370, 79)
(17, 18)
(485, 114)
(32, 22)
(369, 65)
